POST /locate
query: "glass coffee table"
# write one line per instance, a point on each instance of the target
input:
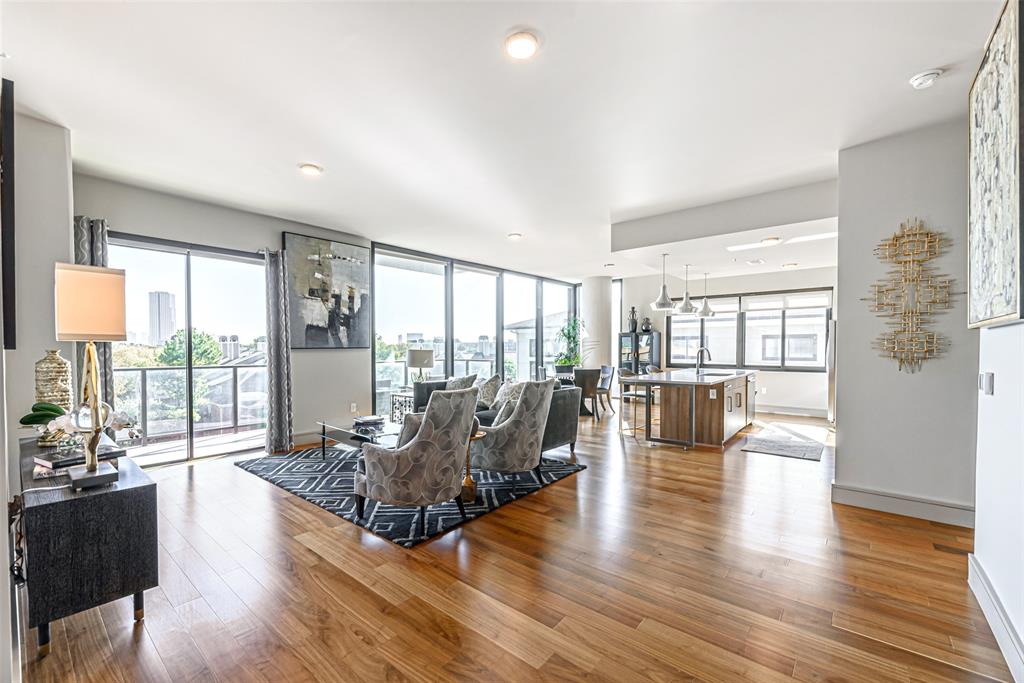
(349, 431)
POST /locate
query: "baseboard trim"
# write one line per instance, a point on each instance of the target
(901, 504)
(785, 410)
(1010, 642)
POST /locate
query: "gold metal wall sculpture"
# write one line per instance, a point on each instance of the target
(911, 296)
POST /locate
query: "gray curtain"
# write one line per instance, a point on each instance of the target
(279, 359)
(91, 250)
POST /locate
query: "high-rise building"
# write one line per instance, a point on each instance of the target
(161, 317)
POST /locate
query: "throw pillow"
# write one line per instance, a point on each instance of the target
(488, 389)
(509, 392)
(460, 382)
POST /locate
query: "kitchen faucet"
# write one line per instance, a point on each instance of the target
(700, 354)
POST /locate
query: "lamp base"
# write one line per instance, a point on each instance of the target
(82, 478)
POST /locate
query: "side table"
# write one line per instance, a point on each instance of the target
(468, 485)
(401, 403)
(86, 548)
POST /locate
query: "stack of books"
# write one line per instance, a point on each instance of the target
(369, 421)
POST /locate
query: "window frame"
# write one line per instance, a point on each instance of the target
(450, 265)
(741, 330)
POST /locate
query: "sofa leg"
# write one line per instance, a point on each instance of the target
(360, 503)
(572, 452)
(462, 507)
(423, 521)
(536, 473)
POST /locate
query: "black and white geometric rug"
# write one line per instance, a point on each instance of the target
(328, 483)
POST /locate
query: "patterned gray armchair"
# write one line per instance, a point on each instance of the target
(513, 445)
(427, 465)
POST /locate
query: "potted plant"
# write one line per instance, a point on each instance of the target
(569, 357)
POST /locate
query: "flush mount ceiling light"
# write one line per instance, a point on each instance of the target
(311, 170)
(515, 235)
(664, 301)
(521, 45)
(812, 238)
(755, 262)
(925, 79)
(790, 265)
(766, 242)
(686, 307)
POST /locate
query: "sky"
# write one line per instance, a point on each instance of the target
(228, 297)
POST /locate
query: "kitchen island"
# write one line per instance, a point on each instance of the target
(706, 407)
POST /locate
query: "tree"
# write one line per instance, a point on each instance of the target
(134, 355)
(205, 350)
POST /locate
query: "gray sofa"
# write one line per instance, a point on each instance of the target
(559, 430)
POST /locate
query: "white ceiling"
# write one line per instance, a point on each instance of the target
(710, 254)
(433, 140)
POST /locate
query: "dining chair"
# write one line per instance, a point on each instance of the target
(587, 380)
(604, 386)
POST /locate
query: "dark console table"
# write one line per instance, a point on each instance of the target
(86, 548)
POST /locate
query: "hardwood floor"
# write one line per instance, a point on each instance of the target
(653, 564)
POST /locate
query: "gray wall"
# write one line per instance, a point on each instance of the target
(907, 437)
(325, 382)
(43, 237)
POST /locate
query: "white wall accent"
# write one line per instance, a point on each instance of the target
(43, 237)
(904, 434)
(997, 566)
(324, 382)
(800, 393)
(781, 207)
(596, 314)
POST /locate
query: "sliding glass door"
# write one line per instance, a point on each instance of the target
(475, 313)
(197, 394)
(409, 313)
(520, 306)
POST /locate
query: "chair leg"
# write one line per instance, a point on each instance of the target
(572, 449)
(597, 412)
(610, 406)
(536, 473)
(462, 507)
(515, 484)
(360, 504)
(423, 521)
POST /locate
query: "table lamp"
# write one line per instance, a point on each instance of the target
(420, 359)
(89, 307)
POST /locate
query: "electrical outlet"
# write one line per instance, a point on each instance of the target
(762, 390)
(354, 408)
(713, 394)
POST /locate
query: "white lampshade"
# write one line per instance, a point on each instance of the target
(89, 303)
(419, 358)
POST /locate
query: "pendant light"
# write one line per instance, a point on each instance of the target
(686, 307)
(664, 301)
(705, 309)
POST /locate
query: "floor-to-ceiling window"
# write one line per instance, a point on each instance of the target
(557, 301)
(167, 286)
(475, 321)
(409, 313)
(520, 327)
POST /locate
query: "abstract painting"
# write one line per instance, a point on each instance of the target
(328, 293)
(994, 208)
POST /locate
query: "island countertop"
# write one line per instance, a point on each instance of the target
(689, 377)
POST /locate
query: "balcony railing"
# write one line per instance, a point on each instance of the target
(226, 399)
(394, 376)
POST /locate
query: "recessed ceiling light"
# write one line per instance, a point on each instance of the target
(311, 169)
(770, 241)
(755, 262)
(521, 45)
(812, 238)
(790, 265)
(925, 79)
(515, 235)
